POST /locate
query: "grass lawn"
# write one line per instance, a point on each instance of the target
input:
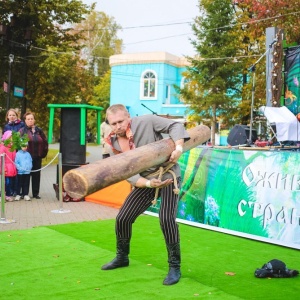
(62, 262)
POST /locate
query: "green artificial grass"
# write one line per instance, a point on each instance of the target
(63, 262)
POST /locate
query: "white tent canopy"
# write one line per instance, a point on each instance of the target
(287, 125)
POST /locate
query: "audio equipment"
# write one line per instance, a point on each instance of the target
(239, 135)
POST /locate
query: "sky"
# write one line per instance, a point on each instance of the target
(174, 18)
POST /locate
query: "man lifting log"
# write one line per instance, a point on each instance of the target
(141, 152)
(128, 134)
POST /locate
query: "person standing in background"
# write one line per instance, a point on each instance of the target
(105, 131)
(24, 165)
(38, 149)
(13, 121)
(131, 133)
(13, 124)
(10, 168)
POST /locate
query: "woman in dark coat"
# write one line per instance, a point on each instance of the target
(37, 147)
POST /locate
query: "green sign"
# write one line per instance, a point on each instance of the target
(255, 194)
(18, 91)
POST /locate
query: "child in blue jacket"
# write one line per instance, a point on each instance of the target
(23, 163)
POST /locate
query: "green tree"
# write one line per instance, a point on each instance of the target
(60, 78)
(244, 22)
(100, 98)
(256, 16)
(214, 79)
(102, 91)
(272, 13)
(100, 41)
(46, 25)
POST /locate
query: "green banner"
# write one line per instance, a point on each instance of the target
(255, 194)
(292, 78)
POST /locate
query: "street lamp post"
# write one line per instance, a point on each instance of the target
(28, 41)
(10, 61)
(10, 34)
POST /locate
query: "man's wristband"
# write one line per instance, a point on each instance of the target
(148, 184)
(179, 148)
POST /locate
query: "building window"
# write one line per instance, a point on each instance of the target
(149, 85)
(168, 94)
(184, 82)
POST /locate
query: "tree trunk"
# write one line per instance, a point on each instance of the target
(90, 178)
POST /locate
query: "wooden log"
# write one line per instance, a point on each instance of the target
(92, 177)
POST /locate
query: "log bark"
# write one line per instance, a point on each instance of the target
(90, 178)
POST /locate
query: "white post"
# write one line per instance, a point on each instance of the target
(60, 189)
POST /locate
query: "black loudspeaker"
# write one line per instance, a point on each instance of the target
(72, 152)
(240, 134)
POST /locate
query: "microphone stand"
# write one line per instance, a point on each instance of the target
(253, 69)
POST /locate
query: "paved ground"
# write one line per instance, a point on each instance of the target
(49, 210)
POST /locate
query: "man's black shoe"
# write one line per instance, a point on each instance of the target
(37, 197)
(117, 262)
(173, 276)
